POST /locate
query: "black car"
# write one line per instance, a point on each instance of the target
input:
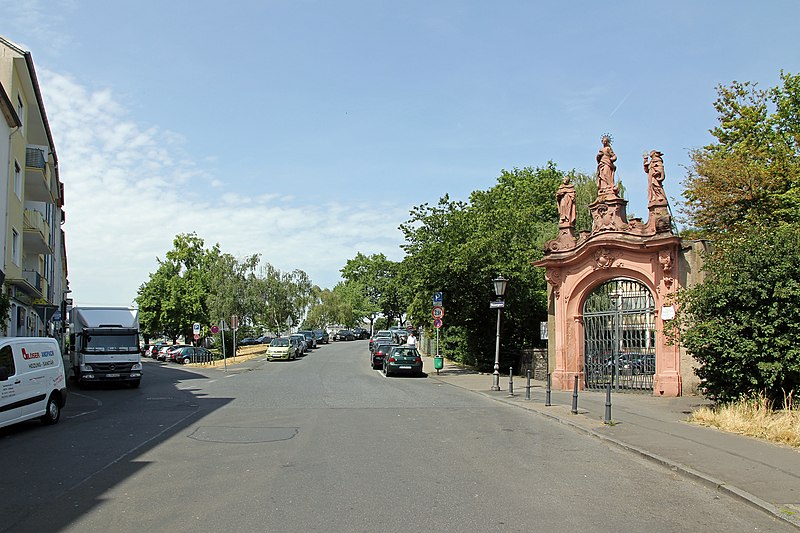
(191, 354)
(248, 341)
(266, 339)
(311, 339)
(380, 351)
(361, 333)
(322, 336)
(344, 335)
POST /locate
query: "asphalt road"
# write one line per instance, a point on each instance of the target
(325, 443)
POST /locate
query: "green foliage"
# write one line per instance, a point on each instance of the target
(382, 283)
(751, 173)
(743, 322)
(458, 248)
(194, 284)
(5, 308)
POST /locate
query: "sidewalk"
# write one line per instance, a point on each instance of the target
(760, 473)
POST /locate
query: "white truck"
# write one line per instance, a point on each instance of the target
(104, 345)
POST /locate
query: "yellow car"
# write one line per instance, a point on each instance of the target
(281, 348)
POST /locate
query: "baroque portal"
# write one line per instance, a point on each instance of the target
(611, 286)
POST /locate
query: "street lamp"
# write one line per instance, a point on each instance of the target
(500, 284)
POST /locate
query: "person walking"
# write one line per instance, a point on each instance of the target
(412, 340)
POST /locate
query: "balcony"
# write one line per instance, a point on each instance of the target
(36, 233)
(37, 176)
(32, 283)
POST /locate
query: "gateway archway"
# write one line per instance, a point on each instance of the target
(620, 336)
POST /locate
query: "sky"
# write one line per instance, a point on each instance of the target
(306, 130)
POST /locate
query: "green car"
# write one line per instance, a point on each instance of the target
(281, 348)
(402, 359)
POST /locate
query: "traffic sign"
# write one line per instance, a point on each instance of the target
(196, 336)
(437, 323)
(214, 330)
(437, 312)
(497, 304)
(437, 299)
(56, 317)
(196, 328)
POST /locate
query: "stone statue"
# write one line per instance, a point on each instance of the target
(565, 196)
(606, 168)
(655, 179)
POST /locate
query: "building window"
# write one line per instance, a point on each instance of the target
(21, 110)
(17, 180)
(15, 246)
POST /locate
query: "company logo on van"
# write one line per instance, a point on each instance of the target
(37, 355)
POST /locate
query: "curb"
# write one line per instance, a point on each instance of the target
(685, 471)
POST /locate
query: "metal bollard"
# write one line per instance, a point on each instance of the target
(575, 396)
(528, 386)
(510, 381)
(547, 392)
(608, 404)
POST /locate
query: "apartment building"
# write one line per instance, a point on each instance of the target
(34, 258)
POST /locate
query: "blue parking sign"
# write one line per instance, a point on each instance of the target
(437, 298)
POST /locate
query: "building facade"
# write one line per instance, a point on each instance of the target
(34, 259)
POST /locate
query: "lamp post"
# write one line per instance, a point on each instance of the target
(500, 284)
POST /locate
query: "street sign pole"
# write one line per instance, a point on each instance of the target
(224, 359)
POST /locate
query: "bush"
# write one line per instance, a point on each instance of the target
(742, 323)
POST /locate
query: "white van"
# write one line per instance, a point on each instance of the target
(32, 381)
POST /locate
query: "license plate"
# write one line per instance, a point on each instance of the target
(112, 375)
(405, 368)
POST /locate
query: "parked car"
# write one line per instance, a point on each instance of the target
(153, 349)
(402, 359)
(380, 351)
(360, 333)
(32, 381)
(282, 348)
(344, 335)
(248, 341)
(311, 339)
(322, 336)
(266, 339)
(163, 352)
(399, 333)
(302, 342)
(191, 354)
(382, 334)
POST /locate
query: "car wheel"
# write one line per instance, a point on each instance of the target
(52, 412)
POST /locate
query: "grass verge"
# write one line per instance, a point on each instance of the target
(755, 417)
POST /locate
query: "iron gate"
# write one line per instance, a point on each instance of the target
(619, 336)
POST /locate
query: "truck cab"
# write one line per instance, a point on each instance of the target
(105, 346)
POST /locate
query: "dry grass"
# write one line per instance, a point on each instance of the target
(755, 417)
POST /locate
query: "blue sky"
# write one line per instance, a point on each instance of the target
(305, 130)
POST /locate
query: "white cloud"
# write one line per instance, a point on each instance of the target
(131, 188)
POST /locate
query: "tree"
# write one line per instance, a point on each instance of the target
(742, 323)
(743, 192)
(750, 174)
(380, 279)
(175, 296)
(458, 248)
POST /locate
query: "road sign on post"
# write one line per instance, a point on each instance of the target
(437, 299)
(437, 312)
(437, 323)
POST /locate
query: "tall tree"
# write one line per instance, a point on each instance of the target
(750, 175)
(743, 192)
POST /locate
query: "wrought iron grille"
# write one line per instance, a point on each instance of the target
(619, 336)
